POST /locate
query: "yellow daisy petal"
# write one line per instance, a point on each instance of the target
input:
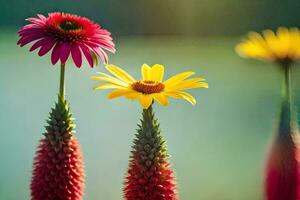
(132, 95)
(178, 78)
(107, 86)
(145, 100)
(254, 36)
(188, 84)
(146, 72)
(294, 44)
(182, 95)
(161, 99)
(255, 47)
(119, 73)
(110, 80)
(118, 93)
(157, 73)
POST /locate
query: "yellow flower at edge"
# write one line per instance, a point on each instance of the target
(284, 45)
(150, 87)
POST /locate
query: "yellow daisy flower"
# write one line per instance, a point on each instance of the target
(151, 87)
(282, 46)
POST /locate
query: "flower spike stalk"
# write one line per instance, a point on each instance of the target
(282, 169)
(58, 170)
(149, 175)
(282, 178)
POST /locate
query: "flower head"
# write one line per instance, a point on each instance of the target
(282, 46)
(67, 34)
(150, 87)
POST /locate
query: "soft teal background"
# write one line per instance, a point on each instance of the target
(217, 147)
(164, 17)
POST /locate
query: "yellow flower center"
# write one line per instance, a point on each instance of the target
(70, 26)
(148, 87)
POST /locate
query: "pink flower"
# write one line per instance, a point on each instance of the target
(67, 34)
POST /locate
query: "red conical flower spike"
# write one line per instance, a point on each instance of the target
(58, 172)
(283, 169)
(149, 174)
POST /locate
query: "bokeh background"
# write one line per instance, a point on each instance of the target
(218, 147)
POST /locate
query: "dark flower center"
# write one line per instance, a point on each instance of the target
(70, 26)
(148, 87)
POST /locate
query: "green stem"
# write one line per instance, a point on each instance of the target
(287, 91)
(287, 82)
(148, 113)
(287, 115)
(62, 81)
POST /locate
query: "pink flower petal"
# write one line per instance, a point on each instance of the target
(55, 53)
(46, 47)
(42, 17)
(108, 45)
(87, 54)
(28, 34)
(36, 21)
(65, 52)
(25, 40)
(104, 32)
(40, 43)
(101, 54)
(29, 26)
(36, 30)
(76, 55)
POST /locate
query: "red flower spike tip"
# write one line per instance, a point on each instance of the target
(58, 171)
(67, 35)
(149, 175)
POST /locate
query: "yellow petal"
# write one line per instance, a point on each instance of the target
(254, 50)
(146, 72)
(161, 99)
(177, 78)
(118, 93)
(273, 43)
(254, 36)
(183, 95)
(107, 86)
(157, 73)
(119, 73)
(188, 84)
(284, 39)
(145, 100)
(110, 80)
(133, 95)
(294, 44)
(255, 47)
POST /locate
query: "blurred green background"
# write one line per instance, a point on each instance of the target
(218, 147)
